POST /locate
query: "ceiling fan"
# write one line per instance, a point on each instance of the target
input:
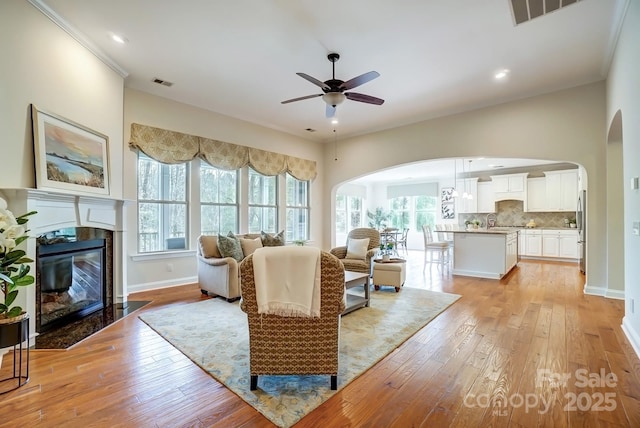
(334, 89)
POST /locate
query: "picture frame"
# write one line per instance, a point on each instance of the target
(447, 204)
(69, 156)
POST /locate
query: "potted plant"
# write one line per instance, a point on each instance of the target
(378, 218)
(572, 222)
(386, 249)
(14, 265)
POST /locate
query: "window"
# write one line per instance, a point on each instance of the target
(218, 200)
(162, 205)
(263, 208)
(425, 211)
(297, 209)
(400, 212)
(348, 213)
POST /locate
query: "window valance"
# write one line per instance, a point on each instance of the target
(173, 147)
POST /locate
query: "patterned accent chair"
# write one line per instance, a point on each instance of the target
(359, 265)
(295, 345)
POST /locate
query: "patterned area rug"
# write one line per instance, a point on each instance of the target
(214, 334)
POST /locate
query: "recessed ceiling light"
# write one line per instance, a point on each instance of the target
(119, 39)
(334, 121)
(501, 74)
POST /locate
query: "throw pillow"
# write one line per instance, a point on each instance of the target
(250, 245)
(357, 248)
(229, 246)
(209, 246)
(269, 240)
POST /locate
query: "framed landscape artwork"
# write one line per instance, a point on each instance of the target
(448, 207)
(69, 156)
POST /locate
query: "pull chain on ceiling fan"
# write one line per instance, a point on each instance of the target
(334, 88)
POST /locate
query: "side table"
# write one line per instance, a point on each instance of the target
(15, 334)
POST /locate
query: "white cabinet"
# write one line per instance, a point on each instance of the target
(511, 252)
(486, 198)
(537, 194)
(510, 186)
(560, 244)
(532, 243)
(521, 243)
(550, 244)
(508, 183)
(568, 246)
(562, 190)
(466, 205)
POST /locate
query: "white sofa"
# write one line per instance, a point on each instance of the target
(220, 276)
(217, 275)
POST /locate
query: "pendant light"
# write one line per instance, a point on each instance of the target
(469, 195)
(454, 193)
(465, 195)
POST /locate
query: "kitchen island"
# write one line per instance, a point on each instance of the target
(485, 253)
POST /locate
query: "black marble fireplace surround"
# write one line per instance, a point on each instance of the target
(73, 282)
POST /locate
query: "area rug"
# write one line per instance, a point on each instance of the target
(214, 334)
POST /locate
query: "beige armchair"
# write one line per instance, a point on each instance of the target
(217, 275)
(295, 345)
(362, 265)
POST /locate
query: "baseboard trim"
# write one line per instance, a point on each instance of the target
(615, 294)
(595, 291)
(603, 292)
(632, 335)
(161, 284)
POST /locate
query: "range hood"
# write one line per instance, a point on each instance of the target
(509, 196)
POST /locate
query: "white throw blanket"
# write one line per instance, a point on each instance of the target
(287, 281)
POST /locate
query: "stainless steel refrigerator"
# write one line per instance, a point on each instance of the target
(581, 224)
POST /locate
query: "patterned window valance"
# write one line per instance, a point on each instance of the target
(175, 147)
(164, 146)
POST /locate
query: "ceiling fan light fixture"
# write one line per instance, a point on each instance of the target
(333, 98)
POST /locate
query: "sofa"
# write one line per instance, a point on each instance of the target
(219, 275)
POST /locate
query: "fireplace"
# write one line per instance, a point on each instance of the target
(64, 218)
(73, 270)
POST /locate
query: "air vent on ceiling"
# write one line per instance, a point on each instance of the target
(162, 82)
(310, 130)
(526, 10)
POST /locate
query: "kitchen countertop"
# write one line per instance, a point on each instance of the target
(505, 230)
(493, 230)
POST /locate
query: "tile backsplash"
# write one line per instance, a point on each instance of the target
(511, 213)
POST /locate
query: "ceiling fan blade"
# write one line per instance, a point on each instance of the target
(331, 111)
(354, 96)
(314, 81)
(360, 80)
(306, 97)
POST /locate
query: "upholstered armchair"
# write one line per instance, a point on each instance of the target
(295, 345)
(355, 260)
(218, 275)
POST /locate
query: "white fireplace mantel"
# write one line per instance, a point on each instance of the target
(57, 210)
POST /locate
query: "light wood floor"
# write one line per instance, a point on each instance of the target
(488, 345)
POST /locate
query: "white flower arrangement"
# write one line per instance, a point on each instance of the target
(14, 265)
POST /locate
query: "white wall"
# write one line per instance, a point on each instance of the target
(43, 65)
(623, 94)
(566, 126)
(152, 271)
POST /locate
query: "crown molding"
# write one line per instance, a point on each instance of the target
(619, 12)
(78, 36)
